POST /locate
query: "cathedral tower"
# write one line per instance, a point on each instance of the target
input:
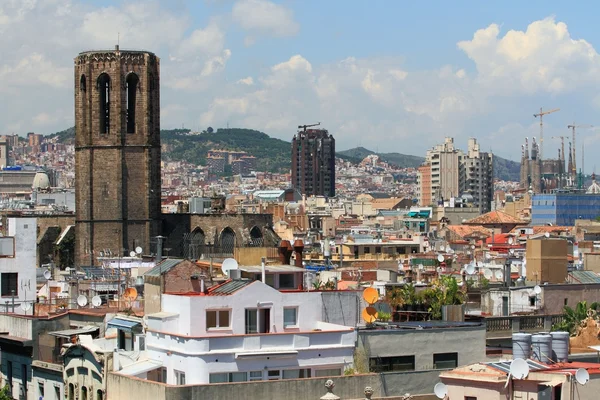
(117, 152)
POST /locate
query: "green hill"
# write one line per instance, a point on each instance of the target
(401, 160)
(272, 154)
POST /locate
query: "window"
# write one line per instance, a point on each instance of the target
(179, 377)
(296, 373)
(7, 246)
(258, 320)
(40, 390)
(255, 376)
(217, 319)
(445, 360)
(162, 375)
(290, 317)
(367, 250)
(286, 281)
(319, 373)
(99, 394)
(84, 393)
(400, 363)
(103, 86)
(470, 398)
(274, 375)
(8, 283)
(131, 83)
(225, 377)
(532, 301)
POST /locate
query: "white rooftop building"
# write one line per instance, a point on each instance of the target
(242, 330)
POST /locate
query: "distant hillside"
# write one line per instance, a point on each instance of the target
(506, 170)
(401, 160)
(273, 154)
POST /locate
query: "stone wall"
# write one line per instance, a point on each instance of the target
(387, 385)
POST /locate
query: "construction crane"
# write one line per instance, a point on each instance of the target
(562, 157)
(573, 127)
(541, 115)
(308, 126)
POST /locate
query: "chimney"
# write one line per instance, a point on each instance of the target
(298, 248)
(285, 252)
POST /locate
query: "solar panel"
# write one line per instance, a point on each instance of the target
(504, 366)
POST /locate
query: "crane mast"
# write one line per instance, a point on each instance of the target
(541, 115)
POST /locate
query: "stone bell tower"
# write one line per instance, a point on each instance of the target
(117, 153)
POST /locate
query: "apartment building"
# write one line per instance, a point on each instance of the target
(313, 163)
(477, 176)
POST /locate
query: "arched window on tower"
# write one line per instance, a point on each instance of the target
(104, 102)
(82, 84)
(83, 97)
(131, 86)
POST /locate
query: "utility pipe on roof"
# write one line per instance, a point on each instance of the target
(264, 275)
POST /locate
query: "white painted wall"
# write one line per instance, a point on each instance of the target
(182, 343)
(24, 262)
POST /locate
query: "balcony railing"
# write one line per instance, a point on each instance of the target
(504, 326)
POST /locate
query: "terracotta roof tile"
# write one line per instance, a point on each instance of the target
(494, 218)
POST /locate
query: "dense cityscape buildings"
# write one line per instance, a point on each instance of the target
(178, 264)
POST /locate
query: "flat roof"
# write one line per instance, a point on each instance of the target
(271, 268)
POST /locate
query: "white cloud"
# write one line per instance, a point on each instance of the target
(265, 17)
(246, 81)
(542, 58)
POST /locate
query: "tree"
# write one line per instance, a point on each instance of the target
(5, 393)
(572, 317)
(210, 129)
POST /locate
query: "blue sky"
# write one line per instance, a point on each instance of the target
(387, 75)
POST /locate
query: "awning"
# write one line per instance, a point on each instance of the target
(265, 354)
(67, 333)
(125, 325)
(140, 367)
(553, 382)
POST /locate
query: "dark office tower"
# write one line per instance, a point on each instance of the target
(117, 152)
(313, 163)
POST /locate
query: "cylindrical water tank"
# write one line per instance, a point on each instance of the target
(560, 346)
(521, 344)
(541, 345)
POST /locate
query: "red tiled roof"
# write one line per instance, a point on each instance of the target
(466, 230)
(494, 218)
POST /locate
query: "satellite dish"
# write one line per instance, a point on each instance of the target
(27, 306)
(582, 376)
(537, 289)
(510, 240)
(96, 301)
(68, 269)
(519, 368)
(442, 248)
(132, 254)
(138, 250)
(82, 301)
(488, 256)
(228, 264)
(421, 267)
(369, 314)
(441, 258)
(473, 246)
(470, 269)
(499, 275)
(547, 234)
(440, 390)
(371, 295)
(47, 274)
(130, 293)
(512, 251)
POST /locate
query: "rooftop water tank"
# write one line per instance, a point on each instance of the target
(560, 346)
(541, 345)
(521, 345)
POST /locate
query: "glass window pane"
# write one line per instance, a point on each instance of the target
(211, 319)
(286, 281)
(251, 323)
(289, 316)
(255, 375)
(237, 377)
(218, 378)
(291, 374)
(224, 319)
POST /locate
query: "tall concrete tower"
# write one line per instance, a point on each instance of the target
(117, 152)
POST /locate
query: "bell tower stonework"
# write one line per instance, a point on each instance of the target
(117, 153)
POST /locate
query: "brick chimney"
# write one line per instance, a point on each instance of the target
(299, 248)
(285, 252)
